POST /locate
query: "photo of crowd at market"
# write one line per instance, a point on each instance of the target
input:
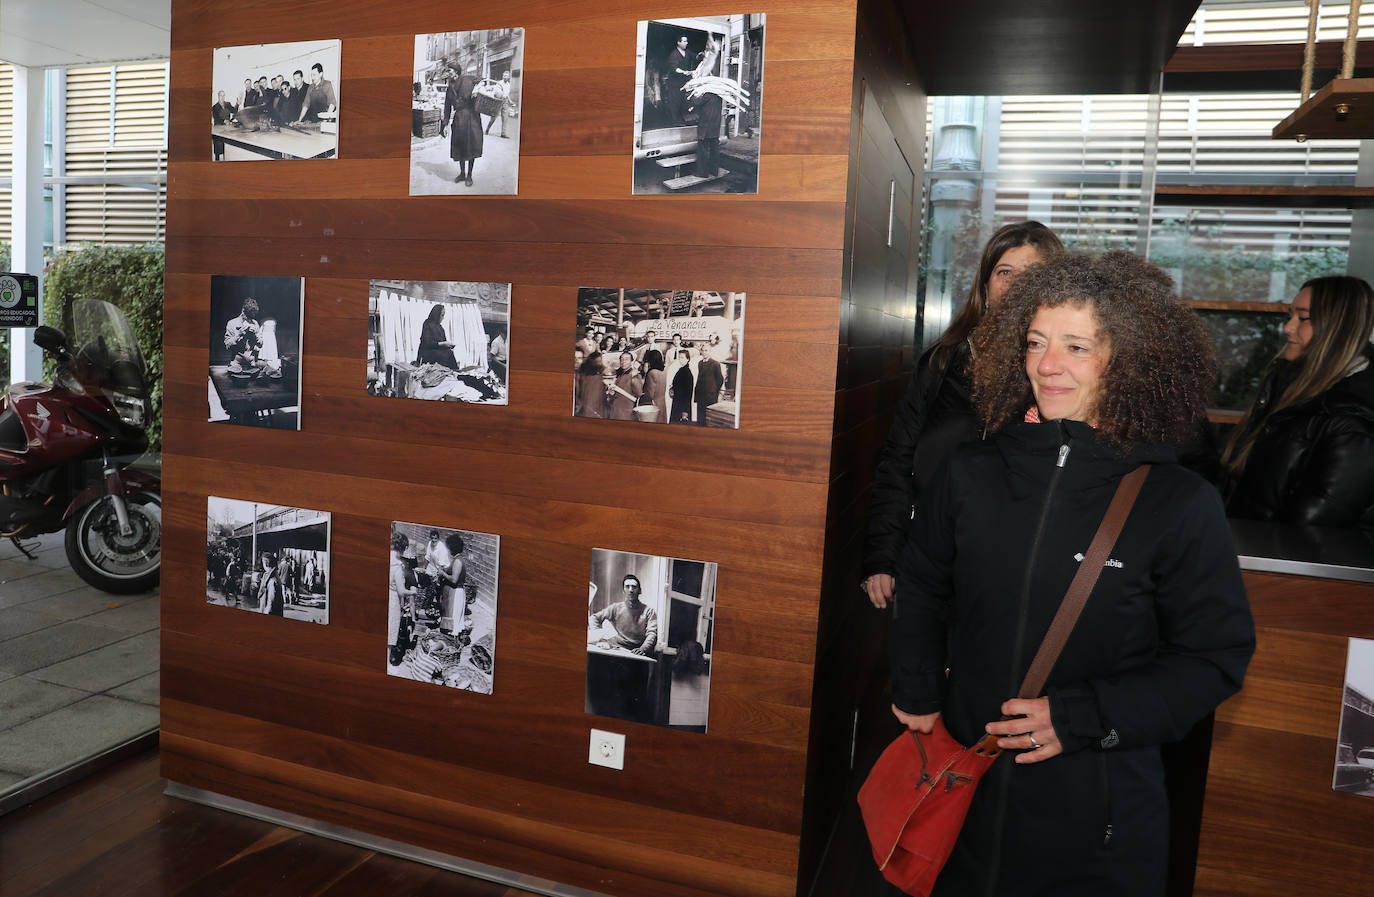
(268, 559)
(659, 356)
(438, 340)
(275, 101)
(441, 606)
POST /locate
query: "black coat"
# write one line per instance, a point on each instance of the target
(1164, 638)
(1313, 463)
(934, 416)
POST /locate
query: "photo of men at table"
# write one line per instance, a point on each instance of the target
(287, 106)
(255, 350)
(268, 559)
(659, 356)
(650, 621)
(438, 340)
(441, 606)
(465, 112)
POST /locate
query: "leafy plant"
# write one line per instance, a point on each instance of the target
(129, 277)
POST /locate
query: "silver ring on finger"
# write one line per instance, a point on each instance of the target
(1035, 745)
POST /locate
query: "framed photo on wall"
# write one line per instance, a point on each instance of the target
(255, 350)
(267, 558)
(275, 101)
(1354, 771)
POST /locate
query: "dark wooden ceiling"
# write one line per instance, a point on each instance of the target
(986, 47)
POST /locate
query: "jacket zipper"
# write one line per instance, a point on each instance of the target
(1107, 799)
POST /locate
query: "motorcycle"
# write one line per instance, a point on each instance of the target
(69, 453)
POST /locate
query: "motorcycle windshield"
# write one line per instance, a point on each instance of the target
(106, 348)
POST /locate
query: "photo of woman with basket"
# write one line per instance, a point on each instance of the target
(1084, 375)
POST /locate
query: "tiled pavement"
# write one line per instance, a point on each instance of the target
(78, 667)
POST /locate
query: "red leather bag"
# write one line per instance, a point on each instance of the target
(914, 802)
(916, 796)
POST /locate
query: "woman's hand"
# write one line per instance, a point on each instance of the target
(1030, 732)
(880, 587)
(916, 722)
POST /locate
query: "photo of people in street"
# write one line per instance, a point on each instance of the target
(441, 606)
(465, 112)
(650, 622)
(255, 350)
(1354, 770)
(268, 559)
(698, 105)
(439, 340)
(275, 101)
(659, 356)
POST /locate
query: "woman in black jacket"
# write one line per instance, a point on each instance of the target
(1118, 370)
(936, 413)
(1304, 452)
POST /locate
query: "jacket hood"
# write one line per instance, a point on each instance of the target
(1032, 451)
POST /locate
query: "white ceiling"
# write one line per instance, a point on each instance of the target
(44, 33)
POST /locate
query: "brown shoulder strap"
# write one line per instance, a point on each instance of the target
(1083, 581)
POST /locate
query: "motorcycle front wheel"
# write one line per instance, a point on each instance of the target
(113, 561)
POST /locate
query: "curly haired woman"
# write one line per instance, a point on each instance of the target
(1087, 369)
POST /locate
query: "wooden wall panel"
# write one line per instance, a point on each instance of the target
(1271, 825)
(303, 717)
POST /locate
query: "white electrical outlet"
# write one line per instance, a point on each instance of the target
(607, 749)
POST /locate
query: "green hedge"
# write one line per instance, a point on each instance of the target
(129, 277)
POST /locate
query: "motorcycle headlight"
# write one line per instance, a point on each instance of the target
(130, 408)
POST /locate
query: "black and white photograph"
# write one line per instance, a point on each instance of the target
(698, 105)
(465, 112)
(659, 356)
(268, 559)
(275, 101)
(443, 341)
(650, 621)
(255, 350)
(1354, 771)
(441, 606)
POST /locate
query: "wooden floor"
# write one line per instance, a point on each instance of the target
(116, 834)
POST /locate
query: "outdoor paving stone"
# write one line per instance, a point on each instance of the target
(32, 588)
(21, 567)
(7, 779)
(21, 620)
(84, 604)
(144, 690)
(55, 644)
(107, 667)
(141, 614)
(23, 699)
(72, 733)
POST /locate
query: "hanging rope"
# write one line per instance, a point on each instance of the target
(1352, 36)
(1309, 52)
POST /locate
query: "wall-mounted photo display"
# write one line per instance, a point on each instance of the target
(465, 112)
(659, 356)
(698, 105)
(438, 340)
(268, 559)
(1355, 744)
(650, 623)
(275, 101)
(441, 606)
(255, 350)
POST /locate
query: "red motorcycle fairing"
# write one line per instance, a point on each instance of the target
(54, 433)
(131, 482)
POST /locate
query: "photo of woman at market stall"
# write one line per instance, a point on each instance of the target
(438, 340)
(465, 85)
(268, 559)
(664, 356)
(650, 622)
(441, 606)
(698, 102)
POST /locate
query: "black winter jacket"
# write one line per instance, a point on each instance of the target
(1165, 637)
(935, 415)
(1313, 463)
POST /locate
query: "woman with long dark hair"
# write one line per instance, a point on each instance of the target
(591, 390)
(936, 413)
(656, 384)
(1304, 451)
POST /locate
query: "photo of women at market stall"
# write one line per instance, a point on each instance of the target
(255, 350)
(275, 101)
(465, 112)
(659, 356)
(268, 559)
(650, 621)
(698, 105)
(441, 606)
(438, 340)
